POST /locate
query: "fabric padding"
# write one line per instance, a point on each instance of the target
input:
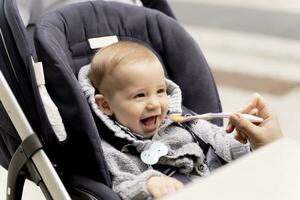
(62, 45)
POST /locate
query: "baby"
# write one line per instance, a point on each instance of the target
(134, 100)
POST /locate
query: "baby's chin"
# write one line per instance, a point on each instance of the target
(148, 135)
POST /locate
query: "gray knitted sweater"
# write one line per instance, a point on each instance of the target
(130, 174)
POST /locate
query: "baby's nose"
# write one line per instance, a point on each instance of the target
(153, 104)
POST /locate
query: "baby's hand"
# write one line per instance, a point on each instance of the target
(161, 186)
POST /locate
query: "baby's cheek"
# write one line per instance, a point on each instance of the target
(165, 106)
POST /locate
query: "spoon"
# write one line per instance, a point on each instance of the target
(208, 116)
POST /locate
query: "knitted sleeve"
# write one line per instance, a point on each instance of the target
(224, 144)
(129, 174)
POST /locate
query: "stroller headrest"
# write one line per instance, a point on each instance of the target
(62, 40)
(72, 26)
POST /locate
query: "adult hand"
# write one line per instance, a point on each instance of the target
(161, 186)
(258, 135)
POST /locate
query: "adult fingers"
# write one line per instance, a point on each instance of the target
(256, 102)
(244, 126)
(240, 137)
(230, 127)
(253, 112)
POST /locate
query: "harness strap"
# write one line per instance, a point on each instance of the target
(204, 146)
(211, 157)
(213, 160)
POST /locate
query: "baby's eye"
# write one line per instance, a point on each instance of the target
(140, 95)
(160, 91)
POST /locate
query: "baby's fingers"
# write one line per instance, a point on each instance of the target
(156, 193)
(163, 191)
(178, 185)
(171, 189)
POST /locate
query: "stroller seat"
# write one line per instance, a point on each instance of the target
(61, 39)
(61, 42)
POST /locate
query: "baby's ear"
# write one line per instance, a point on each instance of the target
(103, 105)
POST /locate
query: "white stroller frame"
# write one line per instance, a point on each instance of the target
(30, 144)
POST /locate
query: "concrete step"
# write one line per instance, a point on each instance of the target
(289, 6)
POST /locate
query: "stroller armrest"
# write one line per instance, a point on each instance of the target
(84, 188)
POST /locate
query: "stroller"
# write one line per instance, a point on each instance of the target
(74, 165)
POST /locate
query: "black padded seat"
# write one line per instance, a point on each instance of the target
(61, 39)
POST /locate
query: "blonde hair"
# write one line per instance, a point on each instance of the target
(107, 59)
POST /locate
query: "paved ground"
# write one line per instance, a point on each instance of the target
(251, 46)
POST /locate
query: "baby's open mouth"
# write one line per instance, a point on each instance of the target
(150, 123)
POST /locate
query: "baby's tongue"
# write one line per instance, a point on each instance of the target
(148, 121)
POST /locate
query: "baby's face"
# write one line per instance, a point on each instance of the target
(139, 99)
